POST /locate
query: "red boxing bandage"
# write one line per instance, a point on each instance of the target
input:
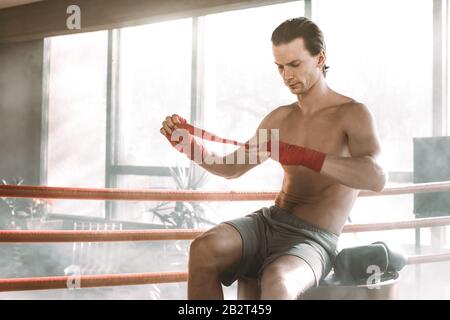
(292, 155)
(191, 148)
(288, 155)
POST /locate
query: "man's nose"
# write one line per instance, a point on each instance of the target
(288, 75)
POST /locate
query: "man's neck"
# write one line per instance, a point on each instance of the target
(315, 98)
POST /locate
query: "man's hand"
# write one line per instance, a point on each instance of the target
(182, 140)
(170, 125)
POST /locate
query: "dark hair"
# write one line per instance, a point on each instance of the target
(304, 28)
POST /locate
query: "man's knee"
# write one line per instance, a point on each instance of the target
(216, 249)
(274, 275)
(288, 276)
(203, 250)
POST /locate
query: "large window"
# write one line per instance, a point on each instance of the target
(77, 118)
(154, 80)
(155, 64)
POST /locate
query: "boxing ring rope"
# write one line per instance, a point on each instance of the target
(110, 280)
(23, 191)
(431, 258)
(10, 236)
(89, 281)
(30, 236)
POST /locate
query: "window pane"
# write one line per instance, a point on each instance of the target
(447, 75)
(155, 81)
(77, 117)
(242, 82)
(382, 56)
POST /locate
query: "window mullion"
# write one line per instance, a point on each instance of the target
(439, 126)
(111, 114)
(43, 176)
(197, 75)
(308, 8)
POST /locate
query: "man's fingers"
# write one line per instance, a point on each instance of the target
(167, 128)
(176, 119)
(170, 123)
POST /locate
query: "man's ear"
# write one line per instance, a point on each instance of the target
(321, 59)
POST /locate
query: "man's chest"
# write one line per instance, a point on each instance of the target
(323, 133)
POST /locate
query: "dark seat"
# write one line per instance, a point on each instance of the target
(331, 288)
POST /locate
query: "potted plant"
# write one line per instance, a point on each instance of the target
(27, 213)
(184, 214)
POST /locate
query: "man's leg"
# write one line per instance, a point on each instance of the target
(213, 252)
(286, 278)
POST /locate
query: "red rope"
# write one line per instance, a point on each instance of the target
(44, 192)
(27, 236)
(90, 281)
(108, 280)
(41, 192)
(49, 236)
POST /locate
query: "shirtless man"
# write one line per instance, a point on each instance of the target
(291, 246)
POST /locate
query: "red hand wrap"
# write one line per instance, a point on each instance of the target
(289, 155)
(191, 148)
(292, 155)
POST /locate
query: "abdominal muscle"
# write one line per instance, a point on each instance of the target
(319, 201)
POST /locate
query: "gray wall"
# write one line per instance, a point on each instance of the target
(20, 110)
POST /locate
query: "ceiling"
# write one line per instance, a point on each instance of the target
(15, 3)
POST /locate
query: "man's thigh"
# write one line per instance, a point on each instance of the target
(251, 229)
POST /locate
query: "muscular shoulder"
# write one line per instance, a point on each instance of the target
(276, 116)
(355, 114)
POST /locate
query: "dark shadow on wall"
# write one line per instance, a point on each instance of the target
(21, 76)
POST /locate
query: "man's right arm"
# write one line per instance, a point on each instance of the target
(234, 164)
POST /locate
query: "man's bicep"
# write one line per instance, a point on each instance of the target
(362, 133)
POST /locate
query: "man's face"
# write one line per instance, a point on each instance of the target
(298, 68)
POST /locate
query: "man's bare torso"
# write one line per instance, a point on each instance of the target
(313, 197)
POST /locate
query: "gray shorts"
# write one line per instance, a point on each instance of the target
(273, 232)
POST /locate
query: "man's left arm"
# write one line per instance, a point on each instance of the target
(361, 170)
